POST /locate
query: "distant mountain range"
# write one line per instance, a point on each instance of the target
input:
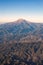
(21, 31)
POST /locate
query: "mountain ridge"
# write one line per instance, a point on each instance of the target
(21, 29)
(21, 43)
(21, 20)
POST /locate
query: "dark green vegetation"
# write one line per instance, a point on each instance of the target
(21, 43)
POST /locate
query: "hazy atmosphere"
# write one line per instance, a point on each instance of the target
(11, 10)
(21, 32)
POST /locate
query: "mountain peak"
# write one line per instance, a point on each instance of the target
(21, 20)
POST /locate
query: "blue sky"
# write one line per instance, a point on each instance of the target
(11, 10)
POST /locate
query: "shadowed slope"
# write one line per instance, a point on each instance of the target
(19, 30)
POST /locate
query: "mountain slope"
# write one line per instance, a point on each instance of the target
(21, 43)
(21, 30)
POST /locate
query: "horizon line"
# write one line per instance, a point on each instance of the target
(19, 19)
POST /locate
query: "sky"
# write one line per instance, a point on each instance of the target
(31, 10)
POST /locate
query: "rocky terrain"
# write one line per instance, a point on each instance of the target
(21, 43)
